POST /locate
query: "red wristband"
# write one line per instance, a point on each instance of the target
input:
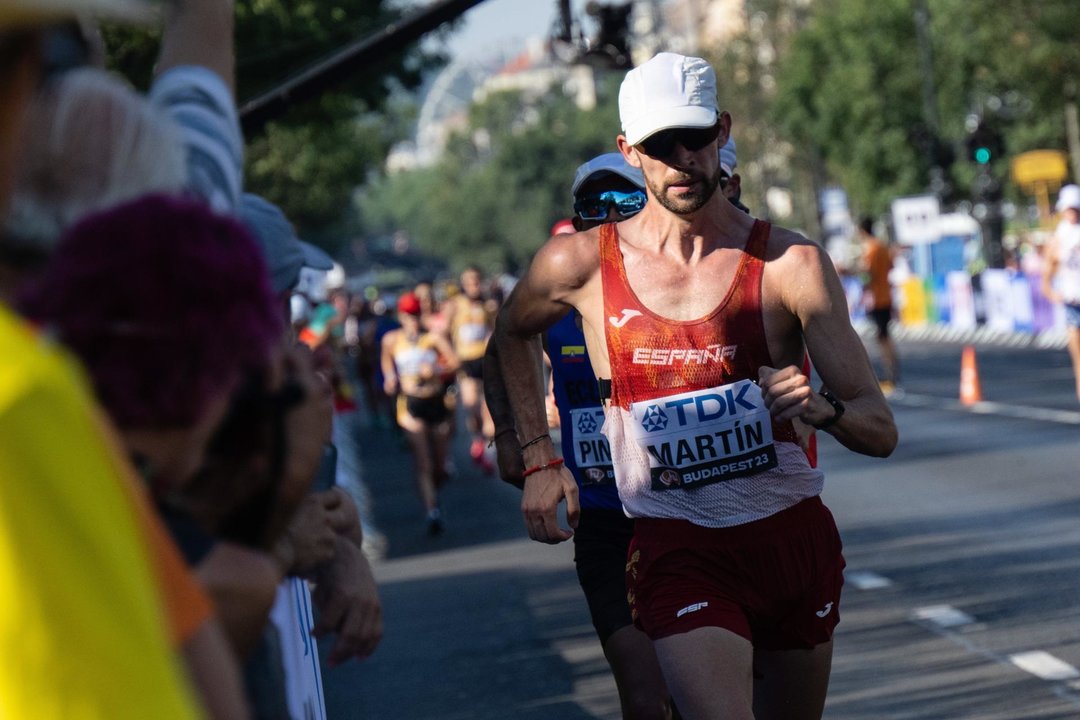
(537, 468)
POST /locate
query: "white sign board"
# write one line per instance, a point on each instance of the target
(998, 295)
(961, 300)
(915, 220)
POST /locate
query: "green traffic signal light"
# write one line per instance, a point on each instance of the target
(982, 155)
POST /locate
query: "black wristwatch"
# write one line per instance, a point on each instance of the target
(838, 407)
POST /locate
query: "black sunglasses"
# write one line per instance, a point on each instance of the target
(661, 144)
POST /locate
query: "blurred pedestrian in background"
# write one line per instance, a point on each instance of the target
(877, 294)
(1061, 281)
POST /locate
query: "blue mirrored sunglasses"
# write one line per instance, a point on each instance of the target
(595, 207)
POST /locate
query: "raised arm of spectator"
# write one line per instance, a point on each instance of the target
(200, 32)
(195, 84)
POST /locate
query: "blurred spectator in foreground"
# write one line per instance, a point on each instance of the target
(1061, 281)
(83, 560)
(330, 530)
(169, 308)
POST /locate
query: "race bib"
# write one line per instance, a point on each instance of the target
(592, 454)
(705, 436)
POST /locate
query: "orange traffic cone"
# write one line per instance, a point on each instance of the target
(970, 387)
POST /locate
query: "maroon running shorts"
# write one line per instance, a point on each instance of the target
(775, 581)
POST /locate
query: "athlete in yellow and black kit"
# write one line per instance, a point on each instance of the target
(413, 363)
(471, 324)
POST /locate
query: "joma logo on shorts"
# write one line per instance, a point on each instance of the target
(687, 356)
(691, 608)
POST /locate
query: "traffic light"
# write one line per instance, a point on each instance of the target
(985, 144)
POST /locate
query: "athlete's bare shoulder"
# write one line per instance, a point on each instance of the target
(566, 263)
(797, 269)
(785, 244)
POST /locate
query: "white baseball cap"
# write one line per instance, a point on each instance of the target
(668, 91)
(22, 13)
(606, 164)
(1068, 197)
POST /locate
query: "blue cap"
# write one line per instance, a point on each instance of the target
(727, 157)
(606, 164)
(285, 254)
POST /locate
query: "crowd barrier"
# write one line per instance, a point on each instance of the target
(1000, 306)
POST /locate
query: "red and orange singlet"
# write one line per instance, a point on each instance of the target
(690, 436)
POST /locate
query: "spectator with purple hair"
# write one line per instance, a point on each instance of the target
(170, 308)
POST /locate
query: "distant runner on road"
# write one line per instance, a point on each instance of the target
(471, 323)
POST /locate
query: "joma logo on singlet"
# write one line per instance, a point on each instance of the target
(627, 316)
(687, 356)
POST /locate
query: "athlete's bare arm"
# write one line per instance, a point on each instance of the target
(1050, 253)
(386, 359)
(450, 360)
(802, 294)
(507, 448)
(555, 282)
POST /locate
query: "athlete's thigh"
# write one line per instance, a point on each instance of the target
(791, 684)
(1073, 339)
(709, 672)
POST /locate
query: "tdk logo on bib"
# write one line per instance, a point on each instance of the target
(654, 419)
(586, 424)
(703, 407)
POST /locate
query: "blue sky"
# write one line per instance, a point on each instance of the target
(497, 22)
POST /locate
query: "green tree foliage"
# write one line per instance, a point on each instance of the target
(501, 184)
(311, 160)
(746, 67)
(849, 90)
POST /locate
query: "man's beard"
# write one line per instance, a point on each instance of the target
(688, 202)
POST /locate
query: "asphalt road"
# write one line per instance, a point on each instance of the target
(963, 580)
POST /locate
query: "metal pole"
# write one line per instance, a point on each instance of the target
(1072, 133)
(929, 95)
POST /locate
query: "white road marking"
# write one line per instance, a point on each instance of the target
(945, 616)
(1025, 412)
(866, 580)
(1044, 665)
(1039, 663)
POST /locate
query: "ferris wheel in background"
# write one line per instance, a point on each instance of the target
(446, 105)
